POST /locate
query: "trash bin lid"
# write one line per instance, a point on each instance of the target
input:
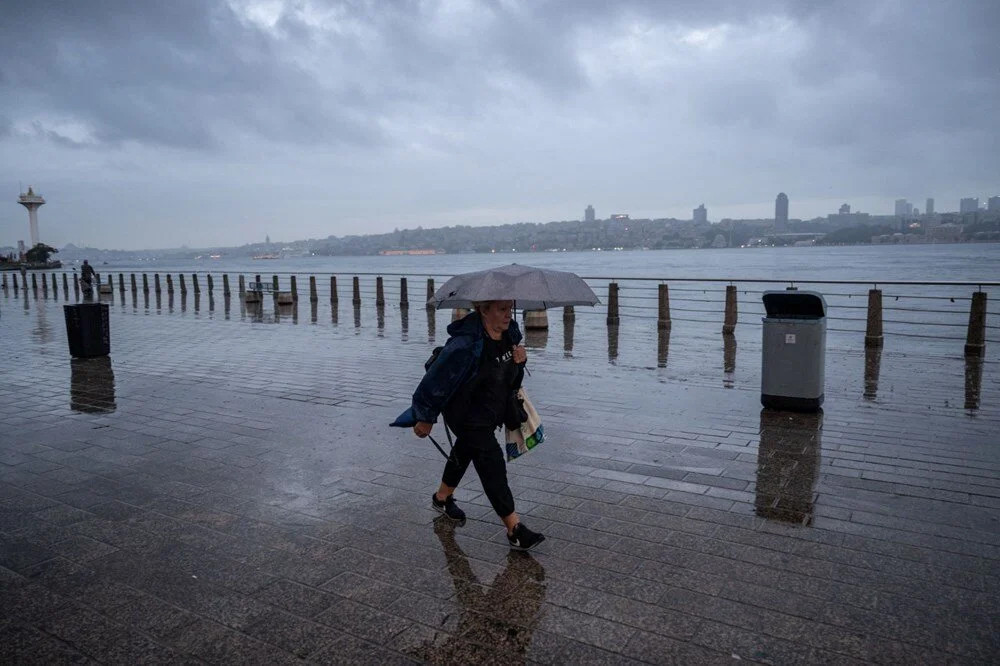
(794, 304)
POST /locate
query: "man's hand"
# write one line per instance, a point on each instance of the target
(520, 355)
(422, 429)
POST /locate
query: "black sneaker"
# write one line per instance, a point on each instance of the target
(523, 538)
(448, 507)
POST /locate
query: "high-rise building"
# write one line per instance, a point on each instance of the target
(993, 204)
(588, 214)
(929, 207)
(968, 205)
(700, 214)
(900, 208)
(781, 212)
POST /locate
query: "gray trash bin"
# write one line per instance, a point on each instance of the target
(794, 358)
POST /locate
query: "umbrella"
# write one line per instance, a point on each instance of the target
(531, 288)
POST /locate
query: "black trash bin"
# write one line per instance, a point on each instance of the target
(88, 329)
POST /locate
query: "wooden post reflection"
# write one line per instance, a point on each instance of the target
(612, 343)
(973, 381)
(662, 346)
(873, 364)
(728, 360)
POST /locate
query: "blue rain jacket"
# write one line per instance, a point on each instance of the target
(455, 365)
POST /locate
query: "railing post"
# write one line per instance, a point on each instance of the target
(334, 296)
(729, 322)
(663, 319)
(132, 278)
(156, 283)
(45, 282)
(170, 284)
(313, 295)
(613, 319)
(34, 282)
(65, 284)
(76, 282)
(430, 294)
(975, 340)
(379, 292)
(184, 289)
(404, 297)
(569, 313)
(536, 320)
(210, 283)
(225, 284)
(295, 290)
(145, 283)
(194, 283)
(5, 281)
(873, 331)
(14, 276)
(274, 284)
(357, 291)
(241, 284)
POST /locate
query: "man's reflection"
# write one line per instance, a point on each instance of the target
(497, 621)
(788, 465)
(92, 385)
(728, 360)
(873, 363)
(973, 381)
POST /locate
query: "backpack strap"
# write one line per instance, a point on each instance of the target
(451, 444)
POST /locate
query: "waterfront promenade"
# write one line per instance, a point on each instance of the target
(228, 491)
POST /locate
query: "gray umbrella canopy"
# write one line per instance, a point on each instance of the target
(531, 288)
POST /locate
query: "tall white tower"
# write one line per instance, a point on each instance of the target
(32, 201)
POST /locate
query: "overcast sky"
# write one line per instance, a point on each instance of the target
(155, 124)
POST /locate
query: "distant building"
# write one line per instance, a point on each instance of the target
(929, 206)
(781, 212)
(993, 204)
(588, 214)
(903, 208)
(845, 209)
(700, 214)
(968, 205)
(916, 212)
(720, 240)
(844, 218)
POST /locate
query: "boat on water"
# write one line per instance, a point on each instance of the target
(266, 256)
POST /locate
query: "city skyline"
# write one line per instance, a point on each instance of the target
(216, 121)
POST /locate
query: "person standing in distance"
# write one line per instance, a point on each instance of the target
(471, 383)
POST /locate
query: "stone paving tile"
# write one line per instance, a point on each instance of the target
(234, 496)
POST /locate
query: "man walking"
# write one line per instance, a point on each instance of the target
(472, 382)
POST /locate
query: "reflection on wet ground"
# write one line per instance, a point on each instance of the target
(92, 385)
(662, 347)
(873, 362)
(728, 360)
(497, 619)
(228, 491)
(788, 462)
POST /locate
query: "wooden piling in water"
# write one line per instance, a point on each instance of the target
(313, 295)
(357, 291)
(379, 293)
(613, 318)
(194, 283)
(729, 320)
(873, 329)
(210, 282)
(404, 297)
(225, 284)
(334, 297)
(170, 285)
(975, 340)
(663, 316)
(184, 289)
(145, 283)
(430, 294)
(65, 284)
(156, 283)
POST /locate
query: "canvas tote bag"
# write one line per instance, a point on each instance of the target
(529, 435)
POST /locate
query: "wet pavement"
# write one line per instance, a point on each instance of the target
(226, 490)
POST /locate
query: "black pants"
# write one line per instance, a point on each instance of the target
(480, 447)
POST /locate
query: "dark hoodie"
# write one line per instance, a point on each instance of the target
(454, 368)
